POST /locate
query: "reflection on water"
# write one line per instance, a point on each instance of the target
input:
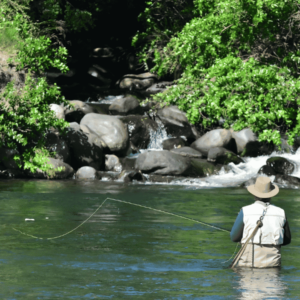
(256, 284)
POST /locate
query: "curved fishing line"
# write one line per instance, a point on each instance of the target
(122, 201)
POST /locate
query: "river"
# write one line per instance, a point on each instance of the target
(130, 252)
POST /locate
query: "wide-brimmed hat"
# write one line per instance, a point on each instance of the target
(263, 188)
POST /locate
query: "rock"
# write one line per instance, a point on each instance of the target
(134, 175)
(66, 172)
(85, 148)
(267, 170)
(281, 165)
(58, 110)
(137, 82)
(173, 143)
(128, 163)
(214, 138)
(7, 158)
(223, 156)
(86, 173)
(287, 181)
(203, 168)
(167, 163)
(187, 152)
(176, 123)
(112, 131)
(55, 144)
(242, 138)
(125, 106)
(159, 87)
(248, 145)
(139, 129)
(112, 163)
(285, 147)
(76, 113)
(162, 162)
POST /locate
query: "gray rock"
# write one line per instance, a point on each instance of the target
(267, 170)
(112, 163)
(213, 138)
(86, 173)
(54, 143)
(159, 87)
(223, 156)
(110, 130)
(85, 148)
(66, 172)
(125, 106)
(76, 113)
(134, 175)
(287, 181)
(187, 152)
(247, 144)
(162, 162)
(58, 110)
(173, 143)
(7, 158)
(137, 82)
(242, 138)
(281, 165)
(176, 123)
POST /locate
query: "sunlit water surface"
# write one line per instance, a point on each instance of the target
(129, 252)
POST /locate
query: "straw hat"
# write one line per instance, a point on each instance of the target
(263, 188)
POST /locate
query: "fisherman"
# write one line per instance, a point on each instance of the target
(263, 249)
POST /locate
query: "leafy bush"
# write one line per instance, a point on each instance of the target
(240, 63)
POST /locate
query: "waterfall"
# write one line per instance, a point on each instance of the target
(157, 137)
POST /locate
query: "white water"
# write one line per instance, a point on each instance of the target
(237, 174)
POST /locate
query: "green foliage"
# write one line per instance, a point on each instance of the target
(25, 116)
(240, 63)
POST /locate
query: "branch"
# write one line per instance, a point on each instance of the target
(226, 28)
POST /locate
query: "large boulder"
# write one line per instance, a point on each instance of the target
(54, 143)
(58, 110)
(112, 131)
(86, 149)
(77, 111)
(66, 172)
(248, 145)
(187, 152)
(281, 165)
(173, 143)
(167, 163)
(214, 138)
(162, 162)
(112, 163)
(139, 129)
(223, 156)
(137, 82)
(176, 123)
(125, 106)
(86, 173)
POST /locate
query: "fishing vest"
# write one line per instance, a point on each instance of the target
(271, 233)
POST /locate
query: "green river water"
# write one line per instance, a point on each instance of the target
(128, 252)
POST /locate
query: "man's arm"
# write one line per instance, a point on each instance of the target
(287, 237)
(236, 233)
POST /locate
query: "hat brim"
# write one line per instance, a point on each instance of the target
(251, 189)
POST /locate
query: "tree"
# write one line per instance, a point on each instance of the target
(240, 61)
